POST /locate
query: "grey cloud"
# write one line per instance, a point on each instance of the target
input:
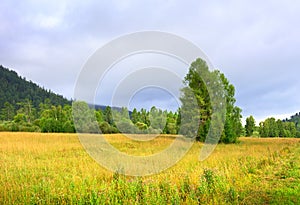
(256, 44)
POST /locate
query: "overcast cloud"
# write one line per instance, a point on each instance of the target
(255, 43)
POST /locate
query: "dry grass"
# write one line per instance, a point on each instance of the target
(54, 168)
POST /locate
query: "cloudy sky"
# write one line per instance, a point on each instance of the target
(255, 43)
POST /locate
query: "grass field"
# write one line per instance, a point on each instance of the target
(38, 168)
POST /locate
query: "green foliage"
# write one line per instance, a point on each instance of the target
(157, 118)
(141, 125)
(126, 126)
(211, 189)
(196, 110)
(108, 117)
(15, 89)
(233, 126)
(296, 119)
(26, 109)
(135, 116)
(105, 128)
(8, 111)
(84, 118)
(171, 126)
(272, 128)
(250, 125)
(26, 106)
(50, 118)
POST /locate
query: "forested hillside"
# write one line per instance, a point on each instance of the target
(294, 118)
(15, 89)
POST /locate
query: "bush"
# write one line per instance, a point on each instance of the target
(68, 127)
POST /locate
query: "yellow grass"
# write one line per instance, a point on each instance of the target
(41, 168)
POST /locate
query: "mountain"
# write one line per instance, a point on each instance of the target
(15, 89)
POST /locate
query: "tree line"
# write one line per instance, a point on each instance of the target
(27, 107)
(50, 118)
(207, 107)
(272, 128)
(66, 119)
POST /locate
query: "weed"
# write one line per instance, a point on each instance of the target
(40, 168)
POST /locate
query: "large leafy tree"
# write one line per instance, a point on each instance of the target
(197, 109)
(233, 126)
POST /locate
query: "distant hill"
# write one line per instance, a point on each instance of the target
(102, 107)
(14, 89)
(296, 119)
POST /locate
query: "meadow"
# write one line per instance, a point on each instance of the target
(41, 168)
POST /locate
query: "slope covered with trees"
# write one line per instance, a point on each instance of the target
(15, 89)
(295, 119)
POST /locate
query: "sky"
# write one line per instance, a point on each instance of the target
(254, 43)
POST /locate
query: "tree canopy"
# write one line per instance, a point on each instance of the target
(24, 106)
(197, 104)
(250, 125)
(277, 128)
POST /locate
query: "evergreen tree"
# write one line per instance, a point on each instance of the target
(8, 112)
(108, 117)
(15, 89)
(135, 116)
